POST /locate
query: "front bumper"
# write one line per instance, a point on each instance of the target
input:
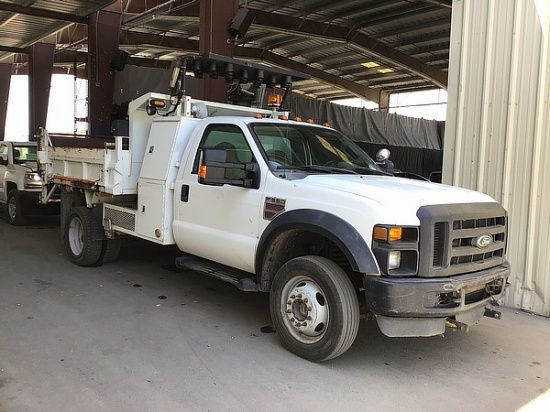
(419, 306)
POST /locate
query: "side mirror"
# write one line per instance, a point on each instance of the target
(214, 167)
(382, 155)
(383, 160)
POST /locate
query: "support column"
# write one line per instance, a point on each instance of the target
(5, 79)
(103, 42)
(384, 102)
(41, 57)
(215, 17)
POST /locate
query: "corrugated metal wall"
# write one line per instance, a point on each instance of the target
(498, 129)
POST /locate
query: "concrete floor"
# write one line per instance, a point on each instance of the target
(135, 335)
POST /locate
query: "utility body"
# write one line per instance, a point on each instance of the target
(290, 208)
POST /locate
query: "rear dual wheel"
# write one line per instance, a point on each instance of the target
(314, 308)
(82, 248)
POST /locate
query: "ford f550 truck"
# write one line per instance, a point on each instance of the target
(285, 207)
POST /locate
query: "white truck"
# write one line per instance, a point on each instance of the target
(20, 182)
(285, 207)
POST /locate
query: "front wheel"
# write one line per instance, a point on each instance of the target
(13, 208)
(314, 308)
(82, 249)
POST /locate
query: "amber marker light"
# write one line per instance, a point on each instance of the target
(275, 100)
(396, 233)
(258, 116)
(158, 103)
(202, 171)
(297, 119)
(283, 117)
(380, 234)
(392, 234)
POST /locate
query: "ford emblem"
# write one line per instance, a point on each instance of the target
(482, 241)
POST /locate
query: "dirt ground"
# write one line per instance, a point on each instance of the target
(138, 335)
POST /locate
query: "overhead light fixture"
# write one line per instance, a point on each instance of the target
(388, 70)
(370, 65)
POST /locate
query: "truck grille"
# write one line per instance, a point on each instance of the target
(461, 238)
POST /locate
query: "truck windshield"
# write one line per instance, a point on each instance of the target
(311, 148)
(24, 154)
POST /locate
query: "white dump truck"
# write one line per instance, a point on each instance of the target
(290, 208)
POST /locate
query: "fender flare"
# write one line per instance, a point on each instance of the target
(334, 228)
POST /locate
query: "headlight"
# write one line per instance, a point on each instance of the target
(396, 249)
(394, 259)
(32, 180)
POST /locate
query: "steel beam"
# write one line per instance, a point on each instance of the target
(215, 18)
(37, 12)
(5, 79)
(103, 36)
(41, 56)
(340, 33)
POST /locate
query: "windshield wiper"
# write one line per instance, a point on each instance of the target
(367, 171)
(325, 169)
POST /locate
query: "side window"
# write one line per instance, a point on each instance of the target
(4, 153)
(22, 154)
(231, 139)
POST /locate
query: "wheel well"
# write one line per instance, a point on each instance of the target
(293, 243)
(10, 186)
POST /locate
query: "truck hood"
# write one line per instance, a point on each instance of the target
(390, 191)
(32, 166)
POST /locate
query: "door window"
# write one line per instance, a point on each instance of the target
(231, 139)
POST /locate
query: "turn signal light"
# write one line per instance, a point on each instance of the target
(382, 234)
(202, 172)
(396, 233)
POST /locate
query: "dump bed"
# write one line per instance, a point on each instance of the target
(102, 165)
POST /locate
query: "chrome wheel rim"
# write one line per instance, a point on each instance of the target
(305, 309)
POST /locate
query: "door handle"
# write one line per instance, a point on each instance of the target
(184, 193)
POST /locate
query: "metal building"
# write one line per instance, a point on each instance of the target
(498, 128)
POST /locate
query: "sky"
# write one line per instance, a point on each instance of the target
(429, 104)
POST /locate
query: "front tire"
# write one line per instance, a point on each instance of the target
(82, 249)
(314, 308)
(13, 209)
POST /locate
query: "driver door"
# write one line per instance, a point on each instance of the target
(220, 223)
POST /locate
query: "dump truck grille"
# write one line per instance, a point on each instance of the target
(121, 218)
(461, 238)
